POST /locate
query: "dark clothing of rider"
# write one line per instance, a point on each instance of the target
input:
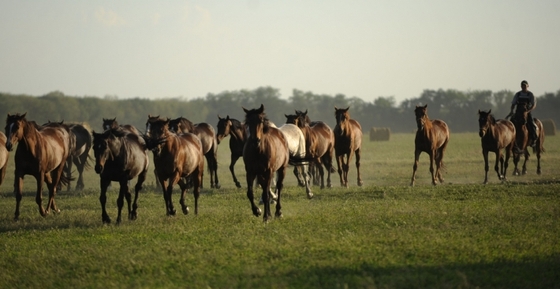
(524, 95)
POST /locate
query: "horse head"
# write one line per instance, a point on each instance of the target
(14, 129)
(109, 123)
(521, 112)
(151, 119)
(101, 150)
(224, 127)
(421, 113)
(485, 119)
(257, 123)
(159, 131)
(342, 117)
(292, 118)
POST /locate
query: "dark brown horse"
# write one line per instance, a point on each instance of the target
(495, 136)
(80, 145)
(40, 153)
(207, 135)
(319, 143)
(120, 156)
(347, 141)
(109, 123)
(178, 158)
(519, 120)
(265, 153)
(432, 137)
(3, 157)
(236, 130)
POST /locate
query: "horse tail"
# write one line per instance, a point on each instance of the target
(65, 180)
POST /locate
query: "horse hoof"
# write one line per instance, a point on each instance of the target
(186, 210)
(171, 212)
(106, 221)
(278, 215)
(257, 212)
(133, 216)
(238, 185)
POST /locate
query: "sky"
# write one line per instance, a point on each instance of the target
(365, 49)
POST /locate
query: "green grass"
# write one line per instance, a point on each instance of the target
(461, 234)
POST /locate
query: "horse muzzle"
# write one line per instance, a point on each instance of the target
(481, 132)
(9, 146)
(98, 169)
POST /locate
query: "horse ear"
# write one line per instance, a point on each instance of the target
(489, 111)
(305, 113)
(227, 117)
(245, 110)
(23, 115)
(425, 106)
(261, 109)
(219, 116)
(335, 108)
(347, 109)
(286, 115)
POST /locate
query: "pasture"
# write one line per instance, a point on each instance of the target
(385, 234)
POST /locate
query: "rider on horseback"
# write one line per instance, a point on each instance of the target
(525, 96)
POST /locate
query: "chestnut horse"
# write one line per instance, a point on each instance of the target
(178, 158)
(347, 141)
(495, 135)
(120, 156)
(207, 135)
(3, 157)
(319, 143)
(236, 130)
(265, 153)
(40, 153)
(432, 137)
(80, 145)
(519, 120)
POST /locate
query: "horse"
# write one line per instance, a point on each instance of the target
(296, 148)
(347, 141)
(109, 123)
(432, 137)
(495, 135)
(40, 153)
(4, 156)
(519, 120)
(319, 143)
(265, 153)
(238, 134)
(120, 156)
(81, 142)
(207, 135)
(178, 158)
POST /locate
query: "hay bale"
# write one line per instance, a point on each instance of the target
(549, 126)
(379, 134)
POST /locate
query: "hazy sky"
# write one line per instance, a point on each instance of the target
(366, 49)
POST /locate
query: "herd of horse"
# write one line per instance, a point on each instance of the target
(179, 148)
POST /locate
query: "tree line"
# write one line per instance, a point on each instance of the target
(458, 108)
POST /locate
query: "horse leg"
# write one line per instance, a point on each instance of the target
(439, 162)
(486, 167)
(299, 176)
(250, 180)
(524, 170)
(281, 173)
(18, 185)
(506, 162)
(265, 180)
(358, 155)
(184, 190)
(196, 180)
(538, 153)
(327, 161)
(68, 172)
(432, 171)
(215, 171)
(339, 163)
(104, 184)
(499, 158)
(231, 169)
(415, 166)
(346, 167)
(306, 179)
(81, 166)
(39, 196)
(141, 178)
(123, 193)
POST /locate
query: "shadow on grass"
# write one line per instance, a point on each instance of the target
(528, 273)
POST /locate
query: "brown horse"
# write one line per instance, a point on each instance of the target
(80, 145)
(111, 123)
(3, 157)
(519, 120)
(120, 156)
(265, 153)
(178, 158)
(347, 141)
(495, 135)
(319, 140)
(40, 153)
(432, 137)
(207, 135)
(232, 127)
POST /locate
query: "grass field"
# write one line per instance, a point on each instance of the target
(386, 234)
